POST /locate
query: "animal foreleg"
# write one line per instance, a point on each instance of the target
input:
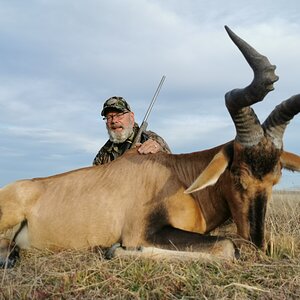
(175, 239)
(158, 253)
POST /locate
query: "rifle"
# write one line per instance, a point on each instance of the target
(145, 123)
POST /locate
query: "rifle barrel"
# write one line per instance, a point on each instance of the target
(154, 98)
(145, 123)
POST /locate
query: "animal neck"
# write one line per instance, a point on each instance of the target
(188, 167)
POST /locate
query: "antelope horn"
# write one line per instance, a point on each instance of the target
(238, 101)
(279, 118)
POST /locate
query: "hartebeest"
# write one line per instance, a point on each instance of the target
(161, 200)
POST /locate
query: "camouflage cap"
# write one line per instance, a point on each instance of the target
(115, 103)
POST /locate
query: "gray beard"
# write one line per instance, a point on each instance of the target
(120, 137)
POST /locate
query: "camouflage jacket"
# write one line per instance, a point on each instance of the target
(111, 151)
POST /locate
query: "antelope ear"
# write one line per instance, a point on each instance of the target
(290, 161)
(211, 173)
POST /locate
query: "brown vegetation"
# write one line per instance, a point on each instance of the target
(86, 275)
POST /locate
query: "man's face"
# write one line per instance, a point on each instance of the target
(119, 125)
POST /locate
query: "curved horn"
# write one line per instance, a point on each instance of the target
(279, 118)
(248, 129)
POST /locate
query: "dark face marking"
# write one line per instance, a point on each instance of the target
(257, 213)
(261, 160)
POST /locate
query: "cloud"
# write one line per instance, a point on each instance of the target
(50, 136)
(192, 132)
(61, 59)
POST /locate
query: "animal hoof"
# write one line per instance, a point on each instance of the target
(110, 252)
(237, 252)
(9, 261)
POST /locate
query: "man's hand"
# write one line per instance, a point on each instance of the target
(149, 146)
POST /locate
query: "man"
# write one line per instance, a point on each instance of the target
(122, 129)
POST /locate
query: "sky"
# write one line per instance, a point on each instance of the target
(61, 59)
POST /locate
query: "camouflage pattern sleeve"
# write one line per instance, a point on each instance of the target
(104, 155)
(153, 136)
(100, 158)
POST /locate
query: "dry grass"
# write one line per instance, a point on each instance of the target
(86, 275)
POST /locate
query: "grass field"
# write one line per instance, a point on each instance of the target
(86, 275)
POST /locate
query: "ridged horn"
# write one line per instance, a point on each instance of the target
(238, 101)
(279, 118)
